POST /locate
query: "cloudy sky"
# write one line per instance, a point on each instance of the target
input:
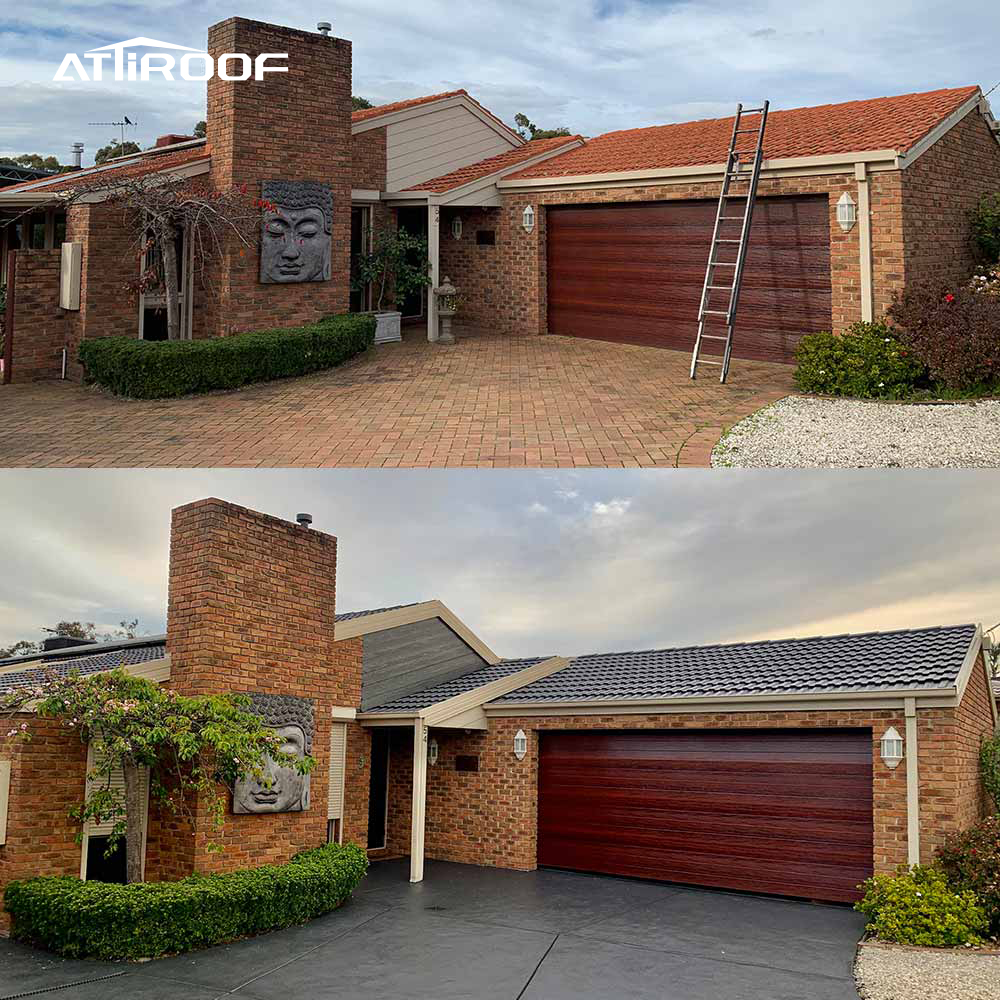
(592, 66)
(541, 564)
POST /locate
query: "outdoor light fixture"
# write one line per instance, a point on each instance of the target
(520, 745)
(456, 227)
(528, 218)
(892, 748)
(847, 212)
(432, 751)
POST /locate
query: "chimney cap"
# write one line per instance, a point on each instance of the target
(323, 27)
(304, 519)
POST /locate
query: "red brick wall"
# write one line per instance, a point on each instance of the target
(368, 160)
(521, 271)
(939, 191)
(289, 126)
(472, 268)
(490, 818)
(48, 774)
(40, 326)
(251, 608)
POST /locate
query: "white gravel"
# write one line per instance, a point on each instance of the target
(803, 432)
(888, 972)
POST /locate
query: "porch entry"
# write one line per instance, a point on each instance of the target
(413, 219)
(153, 303)
(378, 793)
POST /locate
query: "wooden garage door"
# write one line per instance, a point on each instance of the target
(633, 273)
(778, 811)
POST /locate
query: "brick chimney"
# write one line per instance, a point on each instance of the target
(287, 126)
(251, 609)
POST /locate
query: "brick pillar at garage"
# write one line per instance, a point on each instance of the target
(293, 126)
(252, 609)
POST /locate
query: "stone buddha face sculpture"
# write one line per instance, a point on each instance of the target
(281, 788)
(295, 239)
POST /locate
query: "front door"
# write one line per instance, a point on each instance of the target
(414, 220)
(378, 796)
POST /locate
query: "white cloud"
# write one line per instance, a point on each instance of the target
(537, 508)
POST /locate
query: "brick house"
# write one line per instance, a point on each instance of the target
(756, 766)
(605, 237)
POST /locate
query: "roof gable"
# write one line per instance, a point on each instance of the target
(884, 123)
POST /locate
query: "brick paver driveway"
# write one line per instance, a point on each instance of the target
(489, 401)
(481, 934)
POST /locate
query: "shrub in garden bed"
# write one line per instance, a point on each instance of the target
(971, 860)
(867, 362)
(955, 332)
(917, 906)
(145, 369)
(145, 919)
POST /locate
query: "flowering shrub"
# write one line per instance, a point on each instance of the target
(971, 861)
(917, 906)
(986, 280)
(867, 362)
(955, 332)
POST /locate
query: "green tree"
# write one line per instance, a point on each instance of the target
(360, 103)
(200, 130)
(34, 160)
(194, 747)
(114, 149)
(527, 129)
(397, 258)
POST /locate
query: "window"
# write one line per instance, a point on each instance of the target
(335, 794)
(59, 228)
(333, 831)
(486, 237)
(361, 232)
(36, 231)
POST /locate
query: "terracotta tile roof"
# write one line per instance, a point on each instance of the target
(387, 109)
(475, 171)
(147, 162)
(896, 123)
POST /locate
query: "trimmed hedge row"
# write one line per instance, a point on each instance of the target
(144, 369)
(147, 919)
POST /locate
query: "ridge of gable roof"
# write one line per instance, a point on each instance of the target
(896, 123)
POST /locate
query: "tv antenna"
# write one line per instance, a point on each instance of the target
(126, 122)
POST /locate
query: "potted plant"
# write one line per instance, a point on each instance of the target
(397, 260)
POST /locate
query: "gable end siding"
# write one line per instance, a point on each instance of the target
(404, 660)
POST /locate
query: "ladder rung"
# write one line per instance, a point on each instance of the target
(721, 288)
(702, 361)
(713, 312)
(712, 336)
(728, 241)
(751, 111)
(731, 218)
(742, 131)
(722, 263)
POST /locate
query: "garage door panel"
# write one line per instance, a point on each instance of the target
(785, 811)
(633, 273)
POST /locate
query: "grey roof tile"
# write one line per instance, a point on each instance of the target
(873, 661)
(95, 663)
(457, 685)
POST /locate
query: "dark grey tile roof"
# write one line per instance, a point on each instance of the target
(458, 685)
(873, 661)
(92, 664)
(348, 615)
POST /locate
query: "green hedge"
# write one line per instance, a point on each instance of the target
(146, 919)
(144, 369)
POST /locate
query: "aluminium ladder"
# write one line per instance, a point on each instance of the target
(729, 281)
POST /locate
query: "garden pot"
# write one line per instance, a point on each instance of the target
(388, 327)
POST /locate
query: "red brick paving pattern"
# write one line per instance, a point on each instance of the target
(489, 401)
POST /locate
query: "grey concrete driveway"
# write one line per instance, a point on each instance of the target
(479, 933)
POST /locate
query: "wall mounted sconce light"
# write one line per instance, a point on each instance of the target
(528, 218)
(520, 745)
(432, 752)
(892, 748)
(847, 212)
(456, 227)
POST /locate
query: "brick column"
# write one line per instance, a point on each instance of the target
(252, 609)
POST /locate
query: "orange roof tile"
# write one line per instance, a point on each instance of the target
(493, 164)
(896, 123)
(147, 162)
(386, 109)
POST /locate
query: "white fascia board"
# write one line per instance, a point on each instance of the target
(832, 700)
(971, 655)
(343, 713)
(418, 110)
(942, 128)
(438, 714)
(366, 624)
(365, 194)
(408, 197)
(490, 180)
(843, 162)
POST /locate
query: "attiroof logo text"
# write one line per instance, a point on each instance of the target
(194, 65)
